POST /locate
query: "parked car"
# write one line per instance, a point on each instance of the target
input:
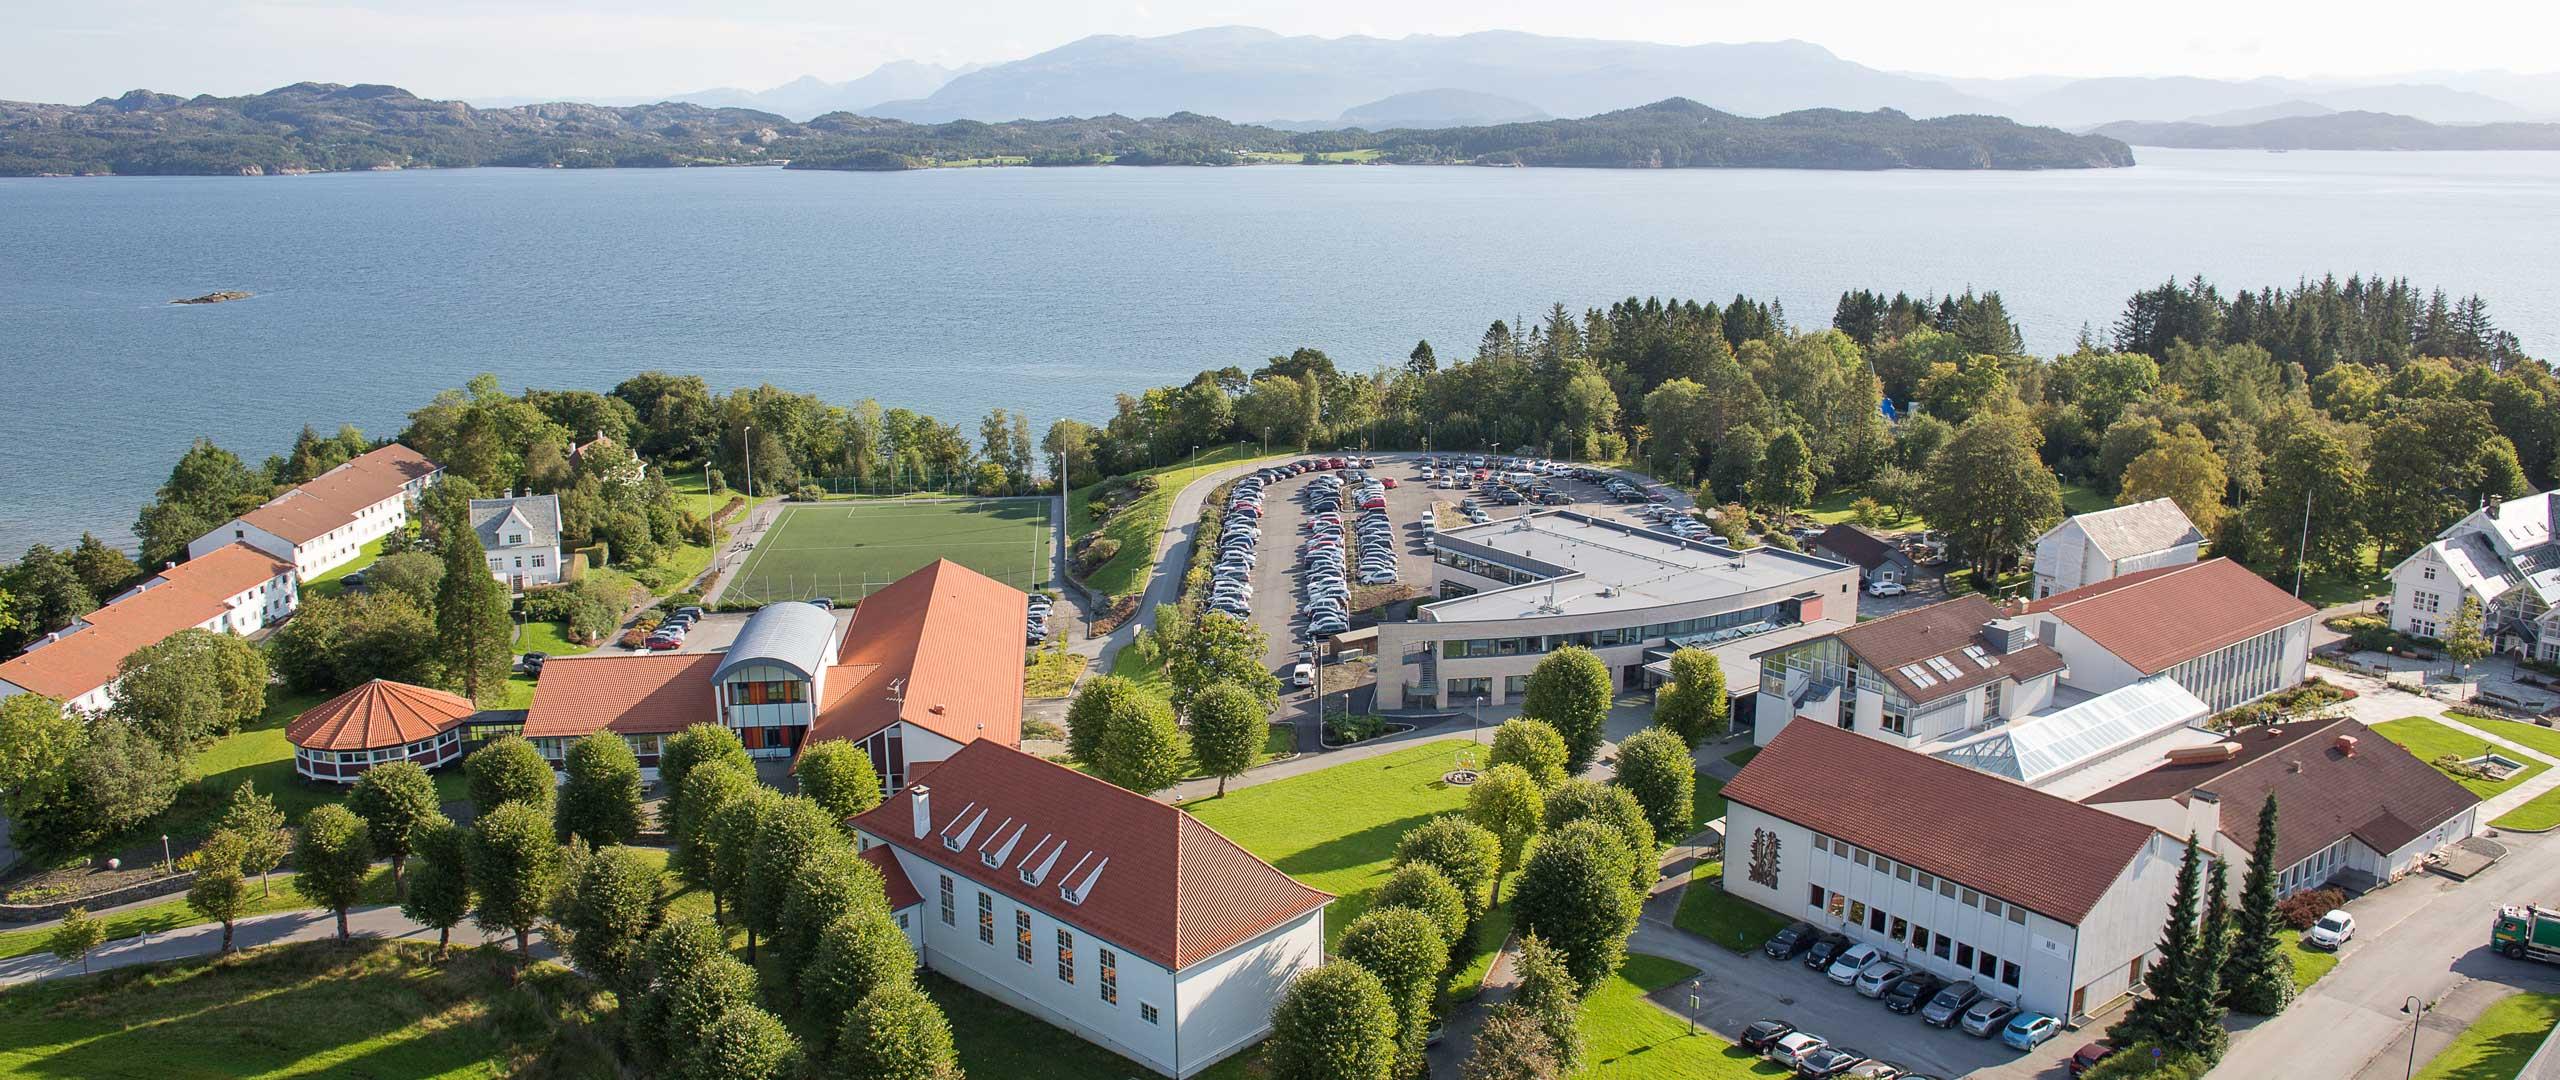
(1987, 1015)
(1791, 942)
(823, 603)
(1871, 1069)
(1851, 963)
(1302, 676)
(1916, 987)
(1887, 588)
(1825, 949)
(665, 644)
(532, 663)
(2088, 1057)
(1828, 1062)
(1761, 1033)
(2334, 929)
(1879, 977)
(1793, 1047)
(696, 613)
(2026, 1031)
(1947, 1005)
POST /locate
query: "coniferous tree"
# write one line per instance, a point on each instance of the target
(473, 633)
(2259, 976)
(2154, 1017)
(2199, 1014)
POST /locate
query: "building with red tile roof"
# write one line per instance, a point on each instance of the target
(325, 522)
(1099, 910)
(2221, 631)
(233, 588)
(2036, 899)
(377, 723)
(2351, 805)
(912, 673)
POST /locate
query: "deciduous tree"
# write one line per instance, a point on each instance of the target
(1089, 716)
(219, 891)
(2182, 467)
(1227, 728)
(1214, 647)
(332, 857)
(1570, 689)
(191, 688)
(261, 828)
(1654, 766)
(1467, 854)
(788, 835)
(1422, 887)
(1141, 747)
(510, 770)
(609, 913)
(440, 892)
(1506, 803)
(839, 776)
(397, 801)
(75, 936)
(896, 1033)
(600, 800)
(859, 952)
(1333, 1022)
(1574, 893)
(516, 868)
(1614, 807)
(702, 744)
(1405, 949)
(1533, 745)
(1991, 492)
(709, 790)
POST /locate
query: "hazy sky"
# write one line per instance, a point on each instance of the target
(76, 50)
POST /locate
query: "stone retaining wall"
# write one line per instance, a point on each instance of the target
(55, 909)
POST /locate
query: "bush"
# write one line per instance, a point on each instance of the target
(2302, 909)
(2148, 1061)
(808, 493)
(1097, 551)
(1353, 727)
(635, 638)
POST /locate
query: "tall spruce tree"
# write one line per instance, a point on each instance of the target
(2259, 976)
(473, 632)
(2199, 1014)
(2172, 978)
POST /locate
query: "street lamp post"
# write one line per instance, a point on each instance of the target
(747, 443)
(1693, 1006)
(167, 864)
(2417, 1011)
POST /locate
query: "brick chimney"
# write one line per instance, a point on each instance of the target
(2347, 745)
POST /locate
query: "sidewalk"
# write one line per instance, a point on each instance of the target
(379, 921)
(2377, 702)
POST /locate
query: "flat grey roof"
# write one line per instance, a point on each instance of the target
(1600, 565)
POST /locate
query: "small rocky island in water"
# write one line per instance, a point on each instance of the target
(214, 297)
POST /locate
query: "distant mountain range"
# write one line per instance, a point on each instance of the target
(317, 127)
(2340, 131)
(800, 99)
(1305, 83)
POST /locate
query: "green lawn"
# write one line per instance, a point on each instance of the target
(2430, 740)
(1743, 756)
(1718, 916)
(2309, 965)
(843, 550)
(333, 582)
(1138, 524)
(1627, 1037)
(173, 913)
(1708, 804)
(2083, 499)
(693, 498)
(374, 1009)
(258, 753)
(2542, 812)
(2496, 1046)
(994, 1040)
(1834, 508)
(1336, 829)
(549, 638)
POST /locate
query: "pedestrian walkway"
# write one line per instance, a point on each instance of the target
(377, 921)
(2377, 702)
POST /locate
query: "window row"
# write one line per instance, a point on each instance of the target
(769, 692)
(1765, 616)
(1922, 879)
(1106, 961)
(392, 753)
(1857, 913)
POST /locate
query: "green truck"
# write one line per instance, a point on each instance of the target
(2529, 932)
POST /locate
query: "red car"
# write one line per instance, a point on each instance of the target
(2088, 1057)
(663, 644)
(1389, 481)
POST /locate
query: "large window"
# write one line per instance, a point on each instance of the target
(1725, 625)
(1022, 934)
(1066, 957)
(949, 910)
(1110, 979)
(986, 918)
(768, 692)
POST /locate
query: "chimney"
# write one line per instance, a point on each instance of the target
(921, 798)
(2293, 766)
(2204, 815)
(2347, 745)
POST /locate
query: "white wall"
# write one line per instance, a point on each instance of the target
(241, 532)
(997, 971)
(2179, 555)
(536, 564)
(1226, 1002)
(2409, 579)
(2062, 555)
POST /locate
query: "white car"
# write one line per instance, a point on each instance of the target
(1302, 676)
(1793, 1047)
(2333, 930)
(1887, 588)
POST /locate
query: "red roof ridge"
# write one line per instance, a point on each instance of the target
(378, 713)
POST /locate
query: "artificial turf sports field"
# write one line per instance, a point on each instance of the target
(843, 550)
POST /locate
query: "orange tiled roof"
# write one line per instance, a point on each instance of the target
(2158, 619)
(1156, 881)
(378, 714)
(331, 499)
(186, 595)
(636, 695)
(955, 636)
(902, 892)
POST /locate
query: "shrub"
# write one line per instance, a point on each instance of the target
(2149, 1061)
(1096, 552)
(808, 493)
(2302, 909)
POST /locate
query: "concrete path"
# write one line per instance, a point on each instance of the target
(381, 921)
(2377, 702)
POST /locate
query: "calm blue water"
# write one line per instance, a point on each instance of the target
(1049, 290)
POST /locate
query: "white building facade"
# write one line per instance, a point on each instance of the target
(521, 537)
(2502, 556)
(2089, 548)
(326, 522)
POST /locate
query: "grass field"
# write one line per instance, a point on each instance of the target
(173, 913)
(375, 1009)
(2497, 1045)
(1708, 803)
(1718, 916)
(2542, 812)
(843, 550)
(1625, 1035)
(2430, 740)
(2309, 965)
(333, 582)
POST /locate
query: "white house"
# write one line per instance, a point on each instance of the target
(908, 674)
(2502, 555)
(2351, 806)
(522, 538)
(234, 589)
(2035, 899)
(1116, 917)
(2089, 548)
(326, 522)
(2224, 633)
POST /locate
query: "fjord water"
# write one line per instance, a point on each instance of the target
(1048, 290)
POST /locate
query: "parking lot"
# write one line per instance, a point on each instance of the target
(1790, 992)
